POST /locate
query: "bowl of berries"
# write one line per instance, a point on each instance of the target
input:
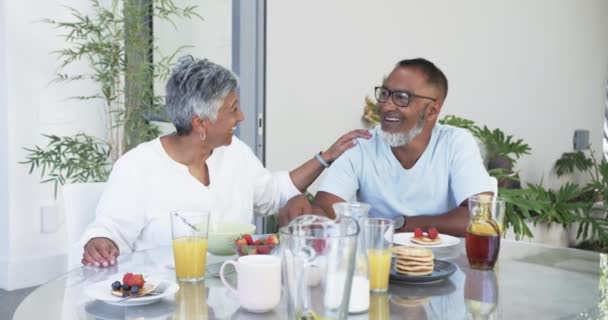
(248, 244)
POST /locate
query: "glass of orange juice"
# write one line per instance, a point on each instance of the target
(189, 231)
(378, 233)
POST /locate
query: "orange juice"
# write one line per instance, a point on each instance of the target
(379, 268)
(190, 255)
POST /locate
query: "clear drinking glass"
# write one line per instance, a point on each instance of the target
(318, 257)
(378, 234)
(189, 231)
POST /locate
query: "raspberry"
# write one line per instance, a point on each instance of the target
(418, 233)
(433, 233)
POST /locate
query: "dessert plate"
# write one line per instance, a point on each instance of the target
(404, 239)
(102, 291)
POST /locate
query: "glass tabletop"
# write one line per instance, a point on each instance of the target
(530, 281)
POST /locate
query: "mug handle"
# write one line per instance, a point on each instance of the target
(234, 263)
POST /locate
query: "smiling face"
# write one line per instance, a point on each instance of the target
(400, 125)
(220, 131)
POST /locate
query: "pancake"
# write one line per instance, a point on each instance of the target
(411, 264)
(142, 291)
(412, 252)
(413, 261)
(426, 241)
(408, 270)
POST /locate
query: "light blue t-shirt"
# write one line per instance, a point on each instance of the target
(449, 171)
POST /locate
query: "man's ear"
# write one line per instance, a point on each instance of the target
(433, 110)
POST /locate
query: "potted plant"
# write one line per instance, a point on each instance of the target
(592, 224)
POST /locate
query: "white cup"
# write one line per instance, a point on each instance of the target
(258, 282)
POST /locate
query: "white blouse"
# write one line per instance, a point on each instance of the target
(146, 185)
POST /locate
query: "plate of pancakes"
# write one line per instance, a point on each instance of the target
(408, 239)
(418, 265)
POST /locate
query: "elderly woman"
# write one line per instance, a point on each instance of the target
(201, 166)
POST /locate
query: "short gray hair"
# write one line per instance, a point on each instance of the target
(196, 88)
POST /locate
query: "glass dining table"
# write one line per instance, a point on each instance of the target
(530, 281)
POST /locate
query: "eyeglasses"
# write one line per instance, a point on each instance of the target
(400, 98)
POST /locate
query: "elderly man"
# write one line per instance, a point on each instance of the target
(412, 170)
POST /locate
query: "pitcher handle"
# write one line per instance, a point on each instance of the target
(234, 263)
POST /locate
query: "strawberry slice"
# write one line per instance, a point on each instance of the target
(240, 241)
(248, 238)
(319, 245)
(272, 239)
(264, 249)
(418, 233)
(433, 233)
(258, 242)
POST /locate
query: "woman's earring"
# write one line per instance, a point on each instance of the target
(203, 136)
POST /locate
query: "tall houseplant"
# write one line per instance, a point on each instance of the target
(115, 41)
(593, 224)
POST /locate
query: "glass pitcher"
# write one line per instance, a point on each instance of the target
(483, 233)
(318, 257)
(359, 295)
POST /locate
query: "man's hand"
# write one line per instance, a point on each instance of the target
(100, 252)
(344, 143)
(295, 207)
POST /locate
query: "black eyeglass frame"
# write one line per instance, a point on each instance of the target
(392, 96)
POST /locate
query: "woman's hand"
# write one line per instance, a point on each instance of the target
(100, 252)
(344, 143)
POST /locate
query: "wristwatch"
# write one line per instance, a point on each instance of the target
(399, 223)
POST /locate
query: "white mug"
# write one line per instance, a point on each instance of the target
(258, 281)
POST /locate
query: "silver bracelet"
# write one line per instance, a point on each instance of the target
(321, 161)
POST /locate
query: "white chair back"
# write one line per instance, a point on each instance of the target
(79, 203)
(494, 186)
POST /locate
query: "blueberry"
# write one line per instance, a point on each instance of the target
(116, 285)
(125, 287)
(134, 289)
(124, 294)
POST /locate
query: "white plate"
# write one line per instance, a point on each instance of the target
(102, 291)
(404, 240)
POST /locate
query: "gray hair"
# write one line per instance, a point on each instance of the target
(196, 88)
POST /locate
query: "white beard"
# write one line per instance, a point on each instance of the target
(399, 139)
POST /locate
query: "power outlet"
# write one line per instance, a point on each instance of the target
(49, 219)
(580, 140)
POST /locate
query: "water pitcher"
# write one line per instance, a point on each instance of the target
(359, 295)
(318, 257)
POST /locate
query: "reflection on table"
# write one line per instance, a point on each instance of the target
(529, 282)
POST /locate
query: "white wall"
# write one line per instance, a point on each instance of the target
(33, 106)
(4, 235)
(536, 69)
